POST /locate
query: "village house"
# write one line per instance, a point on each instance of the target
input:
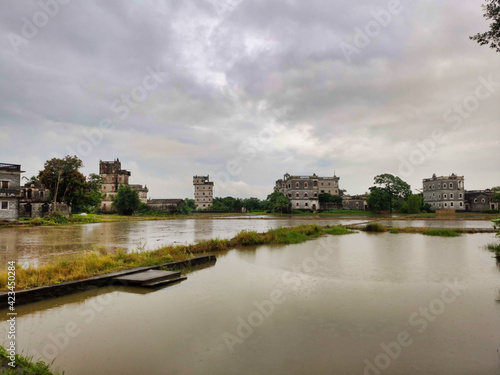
(303, 191)
(480, 200)
(165, 205)
(113, 176)
(35, 200)
(203, 192)
(10, 191)
(444, 192)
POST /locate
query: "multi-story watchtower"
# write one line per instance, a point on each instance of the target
(203, 192)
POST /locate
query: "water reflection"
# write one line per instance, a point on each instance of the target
(338, 306)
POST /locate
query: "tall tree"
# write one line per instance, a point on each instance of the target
(378, 199)
(395, 187)
(491, 37)
(277, 202)
(126, 200)
(61, 177)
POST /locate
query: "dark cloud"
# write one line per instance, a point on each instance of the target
(264, 84)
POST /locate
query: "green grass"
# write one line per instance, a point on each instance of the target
(24, 365)
(99, 260)
(394, 230)
(494, 248)
(441, 232)
(375, 227)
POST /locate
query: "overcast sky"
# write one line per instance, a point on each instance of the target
(247, 90)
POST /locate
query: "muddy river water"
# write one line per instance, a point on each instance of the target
(355, 304)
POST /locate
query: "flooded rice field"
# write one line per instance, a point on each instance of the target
(355, 304)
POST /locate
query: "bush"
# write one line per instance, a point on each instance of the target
(374, 227)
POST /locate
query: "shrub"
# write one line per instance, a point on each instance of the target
(374, 227)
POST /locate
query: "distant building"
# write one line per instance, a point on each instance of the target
(35, 200)
(303, 191)
(114, 176)
(10, 191)
(480, 200)
(445, 192)
(203, 192)
(354, 202)
(166, 205)
(142, 191)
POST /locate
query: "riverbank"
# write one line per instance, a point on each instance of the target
(22, 365)
(102, 261)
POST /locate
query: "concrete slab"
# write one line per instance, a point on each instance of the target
(148, 277)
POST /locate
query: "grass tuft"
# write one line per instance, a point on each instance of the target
(375, 227)
(442, 232)
(23, 365)
(99, 261)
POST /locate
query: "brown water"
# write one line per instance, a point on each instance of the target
(36, 245)
(337, 304)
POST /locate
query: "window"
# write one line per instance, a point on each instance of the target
(357, 204)
(5, 206)
(296, 195)
(439, 186)
(439, 204)
(336, 191)
(451, 185)
(461, 204)
(451, 195)
(475, 200)
(5, 184)
(104, 187)
(460, 195)
(451, 204)
(305, 195)
(444, 186)
(433, 186)
(297, 204)
(446, 204)
(321, 184)
(305, 184)
(483, 200)
(306, 204)
(296, 184)
(439, 196)
(445, 196)
(41, 194)
(104, 205)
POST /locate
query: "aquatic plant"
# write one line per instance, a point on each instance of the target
(442, 232)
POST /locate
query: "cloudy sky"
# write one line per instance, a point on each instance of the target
(247, 90)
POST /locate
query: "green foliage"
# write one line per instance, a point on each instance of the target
(67, 185)
(227, 204)
(277, 202)
(24, 365)
(375, 227)
(496, 196)
(329, 198)
(395, 189)
(491, 37)
(190, 204)
(394, 231)
(441, 232)
(126, 201)
(413, 204)
(378, 199)
(254, 204)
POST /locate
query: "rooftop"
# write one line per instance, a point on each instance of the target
(10, 167)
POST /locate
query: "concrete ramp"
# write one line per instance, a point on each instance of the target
(151, 278)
